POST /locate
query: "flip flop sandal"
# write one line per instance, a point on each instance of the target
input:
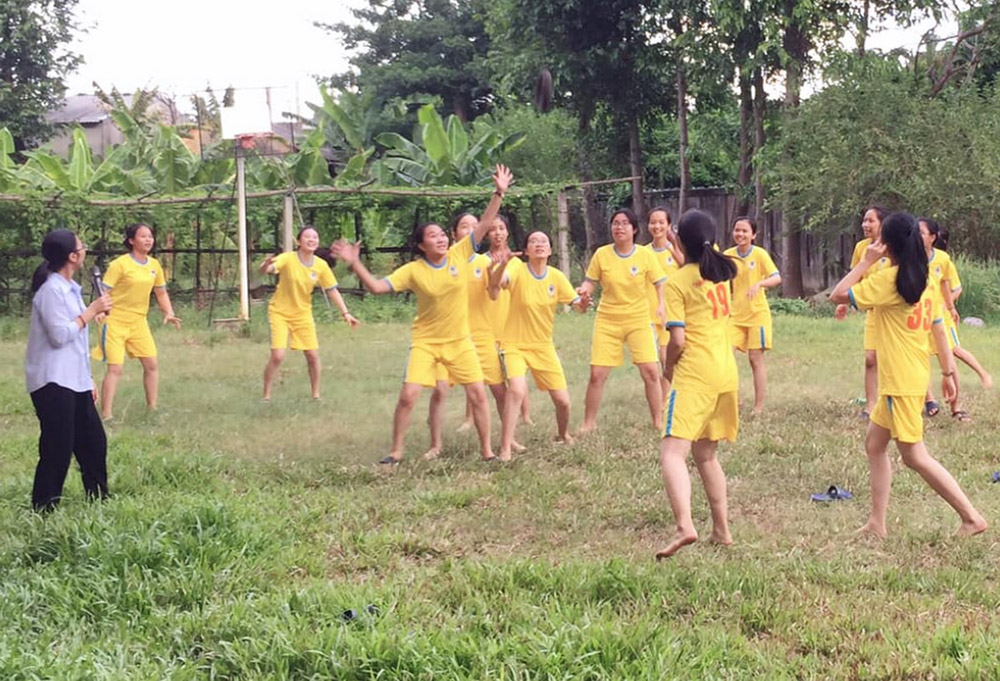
(833, 494)
(864, 415)
(996, 477)
(932, 408)
(962, 416)
(389, 461)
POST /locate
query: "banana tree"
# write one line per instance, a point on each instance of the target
(8, 169)
(441, 153)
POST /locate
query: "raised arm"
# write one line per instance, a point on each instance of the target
(267, 267)
(502, 180)
(841, 291)
(351, 254)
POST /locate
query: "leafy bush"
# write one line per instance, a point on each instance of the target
(980, 288)
(799, 307)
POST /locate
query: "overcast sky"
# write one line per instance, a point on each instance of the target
(185, 45)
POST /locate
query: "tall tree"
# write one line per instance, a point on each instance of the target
(34, 61)
(409, 47)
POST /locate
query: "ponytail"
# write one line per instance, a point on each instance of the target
(56, 247)
(696, 230)
(901, 236)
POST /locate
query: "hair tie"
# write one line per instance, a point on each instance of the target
(706, 242)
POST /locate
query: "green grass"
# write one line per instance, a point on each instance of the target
(240, 532)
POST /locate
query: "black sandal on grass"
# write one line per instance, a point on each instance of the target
(389, 461)
(962, 416)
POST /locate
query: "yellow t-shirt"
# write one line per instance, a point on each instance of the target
(902, 331)
(670, 268)
(131, 282)
(859, 254)
(625, 280)
(702, 307)
(296, 281)
(477, 279)
(442, 293)
(533, 302)
(752, 268)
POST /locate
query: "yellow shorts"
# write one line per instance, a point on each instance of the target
(746, 337)
(901, 415)
(117, 339)
(869, 330)
(457, 357)
(662, 334)
(607, 348)
(301, 330)
(696, 416)
(541, 359)
(489, 360)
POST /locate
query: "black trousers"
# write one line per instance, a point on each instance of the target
(70, 425)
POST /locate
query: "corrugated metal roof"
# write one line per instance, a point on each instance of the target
(82, 109)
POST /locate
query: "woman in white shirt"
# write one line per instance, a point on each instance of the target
(57, 372)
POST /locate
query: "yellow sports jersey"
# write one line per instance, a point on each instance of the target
(533, 302)
(702, 307)
(670, 266)
(476, 277)
(296, 281)
(442, 293)
(859, 254)
(131, 282)
(624, 281)
(902, 331)
(752, 268)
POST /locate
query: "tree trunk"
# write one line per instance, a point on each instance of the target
(635, 168)
(682, 121)
(759, 115)
(791, 273)
(591, 218)
(746, 147)
(863, 28)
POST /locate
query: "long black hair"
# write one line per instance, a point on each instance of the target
(696, 230)
(457, 219)
(901, 236)
(56, 247)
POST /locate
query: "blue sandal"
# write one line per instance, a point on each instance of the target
(931, 408)
(833, 494)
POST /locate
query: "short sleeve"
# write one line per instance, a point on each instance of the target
(463, 248)
(594, 269)
(869, 292)
(676, 313)
(281, 262)
(953, 279)
(654, 270)
(767, 265)
(326, 277)
(161, 278)
(564, 290)
(402, 278)
(113, 274)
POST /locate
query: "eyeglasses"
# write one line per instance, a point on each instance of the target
(616, 223)
(83, 247)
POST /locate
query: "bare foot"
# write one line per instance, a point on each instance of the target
(464, 427)
(758, 410)
(679, 541)
(987, 381)
(518, 447)
(504, 455)
(874, 529)
(432, 453)
(721, 539)
(566, 439)
(526, 420)
(586, 429)
(976, 526)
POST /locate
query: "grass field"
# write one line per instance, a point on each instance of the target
(240, 532)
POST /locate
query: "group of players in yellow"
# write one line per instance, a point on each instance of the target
(680, 305)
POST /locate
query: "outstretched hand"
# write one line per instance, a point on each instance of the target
(498, 264)
(346, 251)
(502, 179)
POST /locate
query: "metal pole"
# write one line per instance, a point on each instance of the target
(289, 214)
(241, 205)
(563, 209)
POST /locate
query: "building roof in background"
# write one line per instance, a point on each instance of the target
(82, 109)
